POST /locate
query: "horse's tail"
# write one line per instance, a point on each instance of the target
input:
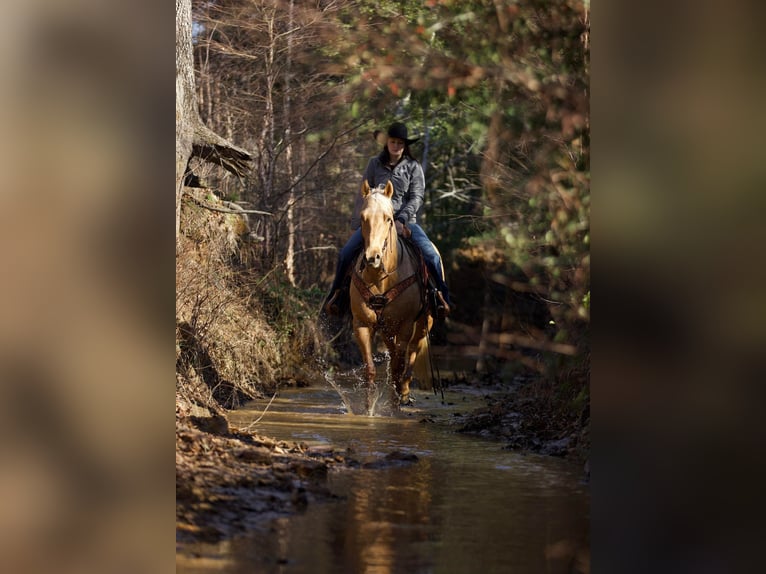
(422, 367)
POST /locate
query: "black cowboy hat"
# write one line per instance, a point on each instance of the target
(399, 130)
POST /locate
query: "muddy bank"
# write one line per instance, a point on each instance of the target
(529, 416)
(228, 481)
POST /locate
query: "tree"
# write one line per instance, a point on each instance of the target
(263, 79)
(193, 138)
(498, 92)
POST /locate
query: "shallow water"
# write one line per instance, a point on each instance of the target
(466, 505)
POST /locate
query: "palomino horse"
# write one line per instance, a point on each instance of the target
(387, 297)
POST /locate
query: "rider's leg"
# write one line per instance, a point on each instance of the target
(345, 259)
(434, 262)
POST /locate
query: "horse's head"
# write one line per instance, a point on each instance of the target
(377, 217)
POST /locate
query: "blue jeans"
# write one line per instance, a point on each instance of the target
(356, 242)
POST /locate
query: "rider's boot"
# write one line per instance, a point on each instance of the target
(332, 307)
(442, 308)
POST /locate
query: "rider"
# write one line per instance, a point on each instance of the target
(395, 163)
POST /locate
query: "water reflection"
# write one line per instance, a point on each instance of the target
(464, 506)
(388, 521)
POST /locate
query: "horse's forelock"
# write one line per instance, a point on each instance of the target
(378, 196)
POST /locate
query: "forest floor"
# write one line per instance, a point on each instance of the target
(228, 482)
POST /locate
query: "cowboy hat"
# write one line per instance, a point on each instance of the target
(399, 130)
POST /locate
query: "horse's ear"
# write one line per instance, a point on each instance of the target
(389, 191)
(365, 188)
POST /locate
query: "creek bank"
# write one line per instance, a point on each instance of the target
(228, 481)
(528, 417)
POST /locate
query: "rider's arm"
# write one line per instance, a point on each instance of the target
(414, 196)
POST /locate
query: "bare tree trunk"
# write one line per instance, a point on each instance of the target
(481, 362)
(290, 255)
(490, 177)
(266, 143)
(192, 136)
(185, 98)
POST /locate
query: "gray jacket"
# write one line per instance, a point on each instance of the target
(409, 188)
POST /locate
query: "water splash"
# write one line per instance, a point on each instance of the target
(352, 390)
(345, 396)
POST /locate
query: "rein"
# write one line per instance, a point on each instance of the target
(385, 243)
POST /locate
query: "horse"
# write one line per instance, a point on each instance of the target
(387, 297)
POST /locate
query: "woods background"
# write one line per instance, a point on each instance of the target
(497, 92)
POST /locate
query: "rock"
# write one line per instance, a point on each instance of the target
(258, 455)
(392, 459)
(215, 424)
(402, 456)
(310, 469)
(320, 451)
(556, 447)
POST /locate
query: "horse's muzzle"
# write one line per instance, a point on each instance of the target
(374, 261)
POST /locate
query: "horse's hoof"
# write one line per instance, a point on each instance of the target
(406, 401)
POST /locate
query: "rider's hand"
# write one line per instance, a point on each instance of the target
(402, 229)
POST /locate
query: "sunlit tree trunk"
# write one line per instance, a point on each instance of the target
(290, 255)
(185, 98)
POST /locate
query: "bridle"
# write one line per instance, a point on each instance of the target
(377, 302)
(383, 252)
(385, 247)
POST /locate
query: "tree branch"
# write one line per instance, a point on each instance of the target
(211, 147)
(238, 211)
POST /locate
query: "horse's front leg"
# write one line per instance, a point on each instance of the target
(399, 366)
(405, 398)
(397, 370)
(364, 335)
(418, 354)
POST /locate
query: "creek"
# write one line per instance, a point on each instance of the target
(463, 505)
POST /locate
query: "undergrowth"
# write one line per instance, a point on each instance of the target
(238, 333)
